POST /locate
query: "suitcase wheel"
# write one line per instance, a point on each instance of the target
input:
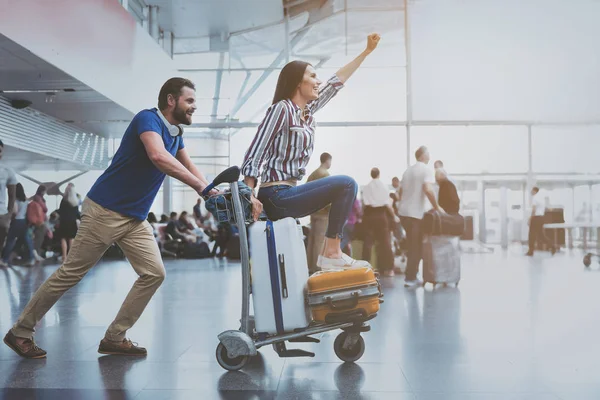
(230, 364)
(349, 347)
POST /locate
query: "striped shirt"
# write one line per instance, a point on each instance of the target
(284, 141)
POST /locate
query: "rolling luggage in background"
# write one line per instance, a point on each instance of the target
(342, 295)
(279, 272)
(441, 259)
(435, 223)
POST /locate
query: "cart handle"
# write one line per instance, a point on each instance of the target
(231, 174)
(350, 306)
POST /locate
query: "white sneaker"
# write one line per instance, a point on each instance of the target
(413, 283)
(346, 262)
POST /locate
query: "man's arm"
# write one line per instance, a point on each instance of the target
(165, 162)
(184, 158)
(12, 190)
(430, 193)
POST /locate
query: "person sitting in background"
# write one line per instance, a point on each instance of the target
(152, 219)
(164, 219)
(173, 229)
(448, 196)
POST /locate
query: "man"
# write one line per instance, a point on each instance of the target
(318, 220)
(8, 183)
(115, 210)
(377, 218)
(417, 185)
(448, 195)
(438, 164)
(536, 223)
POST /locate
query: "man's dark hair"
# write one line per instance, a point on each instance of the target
(325, 157)
(375, 173)
(395, 179)
(173, 214)
(172, 87)
(535, 189)
(439, 162)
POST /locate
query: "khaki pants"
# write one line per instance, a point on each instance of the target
(98, 230)
(316, 239)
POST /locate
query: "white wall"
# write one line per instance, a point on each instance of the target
(95, 41)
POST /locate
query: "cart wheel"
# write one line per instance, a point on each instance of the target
(587, 260)
(351, 354)
(230, 364)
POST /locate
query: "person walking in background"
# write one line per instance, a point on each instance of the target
(536, 223)
(36, 216)
(448, 195)
(8, 181)
(416, 186)
(377, 218)
(69, 217)
(318, 220)
(18, 232)
(348, 232)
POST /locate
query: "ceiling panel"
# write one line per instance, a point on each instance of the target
(22, 71)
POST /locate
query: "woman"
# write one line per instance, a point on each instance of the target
(18, 231)
(284, 143)
(69, 215)
(38, 221)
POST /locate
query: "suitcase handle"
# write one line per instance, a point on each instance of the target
(284, 289)
(354, 303)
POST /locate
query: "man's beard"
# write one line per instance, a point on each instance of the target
(180, 116)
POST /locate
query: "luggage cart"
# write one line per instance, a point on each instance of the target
(237, 346)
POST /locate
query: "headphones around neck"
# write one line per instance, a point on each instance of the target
(175, 130)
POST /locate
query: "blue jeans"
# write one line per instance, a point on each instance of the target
(18, 231)
(283, 201)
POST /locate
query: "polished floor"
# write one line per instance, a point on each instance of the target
(516, 328)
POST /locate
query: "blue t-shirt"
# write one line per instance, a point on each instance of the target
(129, 185)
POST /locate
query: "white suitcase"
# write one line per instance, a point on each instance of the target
(279, 276)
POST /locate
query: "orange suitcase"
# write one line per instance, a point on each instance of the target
(335, 296)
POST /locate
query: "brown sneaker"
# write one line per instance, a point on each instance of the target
(28, 349)
(125, 348)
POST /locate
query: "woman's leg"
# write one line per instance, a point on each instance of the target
(300, 201)
(11, 239)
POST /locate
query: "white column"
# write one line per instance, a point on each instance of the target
(504, 217)
(481, 192)
(167, 195)
(154, 28)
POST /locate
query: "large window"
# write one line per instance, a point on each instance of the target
(475, 149)
(566, 149)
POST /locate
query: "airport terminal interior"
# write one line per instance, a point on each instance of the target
(505, 94)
